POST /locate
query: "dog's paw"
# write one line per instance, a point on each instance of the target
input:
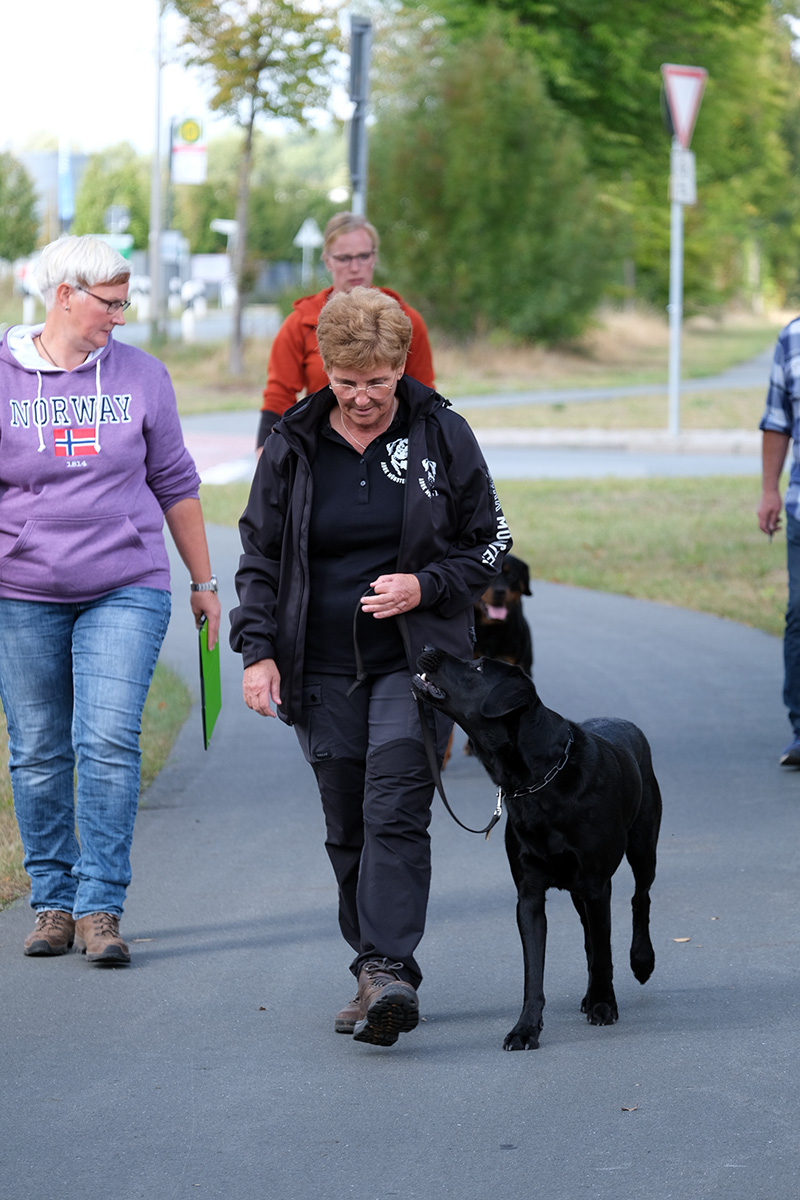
(643, 965)
(523, 1037)
(600, 1012)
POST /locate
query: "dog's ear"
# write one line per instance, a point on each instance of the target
(508, 694)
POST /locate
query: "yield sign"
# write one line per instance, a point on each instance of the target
(684, 87)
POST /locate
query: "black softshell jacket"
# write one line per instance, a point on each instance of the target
(453, 539)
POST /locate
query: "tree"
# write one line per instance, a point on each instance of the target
(264, 57)
(116, 176)
(600, 62)
(488, 213)
(18, 221)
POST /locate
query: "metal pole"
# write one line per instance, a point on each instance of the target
(675, 315)
(156, 323)
(360, 47)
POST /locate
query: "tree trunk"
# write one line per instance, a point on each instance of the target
(235, 358)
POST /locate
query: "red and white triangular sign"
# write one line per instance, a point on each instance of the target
(684, 87)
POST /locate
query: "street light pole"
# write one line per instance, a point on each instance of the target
(154, 248)
(360, 46)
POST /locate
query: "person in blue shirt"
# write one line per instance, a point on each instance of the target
(780, 426)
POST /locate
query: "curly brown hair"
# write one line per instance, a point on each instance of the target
(362, 329)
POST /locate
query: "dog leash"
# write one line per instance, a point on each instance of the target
(427, 735)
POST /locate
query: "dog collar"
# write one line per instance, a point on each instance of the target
(551, 774)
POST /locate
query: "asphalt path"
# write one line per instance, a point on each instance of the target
(210, 1066)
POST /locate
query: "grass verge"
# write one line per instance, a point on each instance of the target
(738, 408)
(165, 711)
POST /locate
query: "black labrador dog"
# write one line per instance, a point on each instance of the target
(578, 798)
(501, 630)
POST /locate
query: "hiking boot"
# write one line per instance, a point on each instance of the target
(53, 933)
(389, 1004)
(791, 755)
(345, 1019)
(97, 936)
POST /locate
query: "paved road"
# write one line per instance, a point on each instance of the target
(210, 1068)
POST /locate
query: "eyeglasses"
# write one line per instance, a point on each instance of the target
(344, 260)
(112, 306)
(373, 391)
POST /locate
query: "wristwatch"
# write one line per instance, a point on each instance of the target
(211, 586)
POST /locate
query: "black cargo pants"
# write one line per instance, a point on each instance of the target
(376, 788)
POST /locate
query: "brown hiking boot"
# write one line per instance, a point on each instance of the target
(97, 936)
(345, 1019)
(389, 1004)
(53, 933)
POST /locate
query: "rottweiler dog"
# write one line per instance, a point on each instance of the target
(578, 797)
(501, 630)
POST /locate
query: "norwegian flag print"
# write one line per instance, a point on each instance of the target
(69, 442)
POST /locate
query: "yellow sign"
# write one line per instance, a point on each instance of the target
(189, 131)
(188, 157)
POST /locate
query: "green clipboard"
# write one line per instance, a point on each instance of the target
(210, 688)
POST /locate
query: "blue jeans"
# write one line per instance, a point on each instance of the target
(791, 636)
(73, 682)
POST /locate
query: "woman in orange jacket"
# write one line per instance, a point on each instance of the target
(349, 252)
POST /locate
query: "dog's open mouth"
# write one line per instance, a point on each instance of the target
(426, 688)
(496, 612)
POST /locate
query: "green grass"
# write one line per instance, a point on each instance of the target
(166, 709)
(694, 543)
(739, 408)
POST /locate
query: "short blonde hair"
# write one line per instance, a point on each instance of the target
(361, 329)
(81, 262)
(347, 222)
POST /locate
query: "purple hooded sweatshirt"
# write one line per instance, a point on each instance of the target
(90, 460)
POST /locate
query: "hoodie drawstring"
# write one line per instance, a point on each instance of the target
(97, 408)
(39, 399)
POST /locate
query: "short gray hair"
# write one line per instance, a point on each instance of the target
(82, 262)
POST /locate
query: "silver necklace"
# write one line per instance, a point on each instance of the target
(348, 432)
(352, 435)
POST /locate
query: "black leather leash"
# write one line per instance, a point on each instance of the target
(427, 735)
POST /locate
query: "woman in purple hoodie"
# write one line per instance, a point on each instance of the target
(92, 461)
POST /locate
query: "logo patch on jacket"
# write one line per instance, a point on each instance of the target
(395, 469)
(69, 442)
(428, 481)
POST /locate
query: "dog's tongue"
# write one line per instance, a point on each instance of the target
(495, 613)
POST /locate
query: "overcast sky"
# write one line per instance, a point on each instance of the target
(85, 71)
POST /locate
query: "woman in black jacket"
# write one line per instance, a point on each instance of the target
(371, 497)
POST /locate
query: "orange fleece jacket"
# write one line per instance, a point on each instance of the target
(295, 364)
